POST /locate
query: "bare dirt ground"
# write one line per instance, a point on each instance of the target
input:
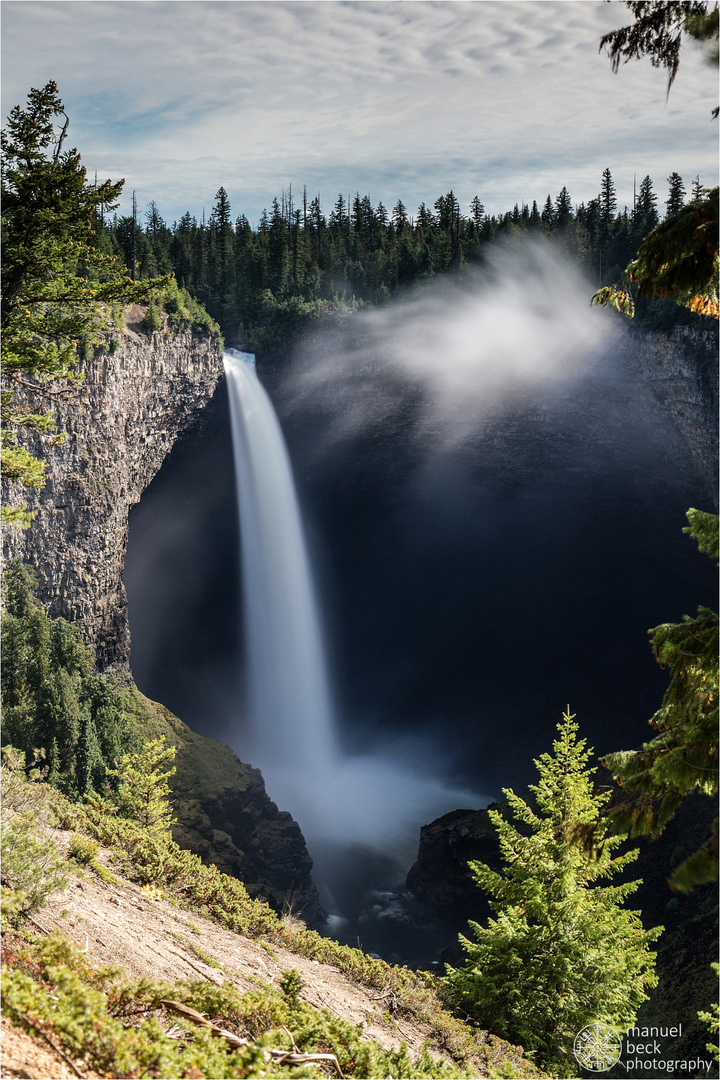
(25, 1057)
(147, 936)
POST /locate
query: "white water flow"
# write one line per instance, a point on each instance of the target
(289, 699)
(377, 800)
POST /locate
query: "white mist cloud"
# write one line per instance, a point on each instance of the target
(521, 325)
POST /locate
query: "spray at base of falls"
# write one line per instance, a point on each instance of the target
(342, 802)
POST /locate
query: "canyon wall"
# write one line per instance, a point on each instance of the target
(682, 373)
(121, 423)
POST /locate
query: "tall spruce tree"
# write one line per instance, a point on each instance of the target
(563, 209)
(563, 951)
(548, 213)
(676, 195)
(608, 197)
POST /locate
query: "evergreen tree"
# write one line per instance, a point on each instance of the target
(608, 198)
(135, 247)
(477, 213)
(676, 195)
(338, 217)
(424, 219)
(563, 951)
(644, 214)
(548, 213)
(446, 211)
(358, 214)
(683, 756)
(399, 217)
(52, 700)
(278, 255)
(221, 236)
(154, 224)
(563, 210)
(181, 249)
(141, 785)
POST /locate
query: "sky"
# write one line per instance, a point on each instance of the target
(508, 100)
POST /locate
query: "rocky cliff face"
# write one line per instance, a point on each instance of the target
(133, 405)
(224, 814)
(682, 373)
(130, 409)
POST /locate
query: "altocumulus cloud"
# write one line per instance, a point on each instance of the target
(509, 100)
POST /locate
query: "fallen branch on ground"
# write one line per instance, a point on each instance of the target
(283, 1057)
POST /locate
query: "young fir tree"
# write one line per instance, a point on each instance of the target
(562, 951)
(142, 785)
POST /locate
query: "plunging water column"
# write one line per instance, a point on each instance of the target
(289, 699)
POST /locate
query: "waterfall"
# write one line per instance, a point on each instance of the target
(289, 698)
(350, 807)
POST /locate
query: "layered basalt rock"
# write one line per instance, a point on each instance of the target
(120, 424)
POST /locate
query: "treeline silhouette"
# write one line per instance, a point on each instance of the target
(299, 263)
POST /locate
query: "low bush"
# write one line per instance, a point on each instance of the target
(155, 859)
(185, 312)
(32, 867)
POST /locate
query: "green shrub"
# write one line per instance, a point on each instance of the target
(32, 867)
(152, 320)
(185, 312)
(119, 1027)
(155, 859)
(83, 849)
(291, 984)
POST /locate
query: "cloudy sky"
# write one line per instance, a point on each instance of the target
(506, 99)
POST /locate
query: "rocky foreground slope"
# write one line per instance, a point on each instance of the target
(150, 941)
